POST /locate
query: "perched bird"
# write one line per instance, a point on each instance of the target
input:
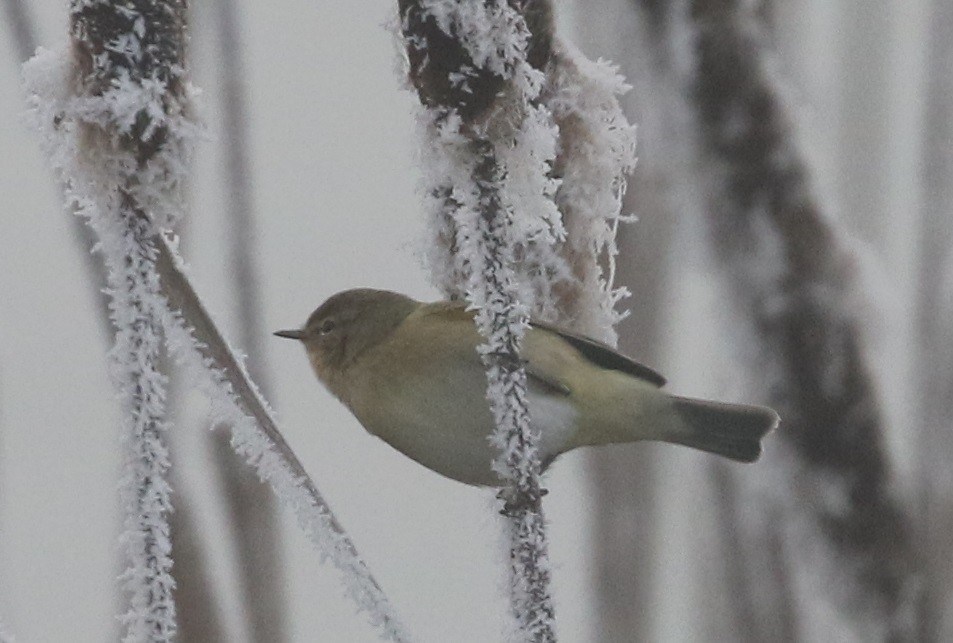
(410, 373)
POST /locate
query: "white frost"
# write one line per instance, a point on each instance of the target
(597, 152)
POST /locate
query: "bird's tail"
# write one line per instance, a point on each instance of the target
(730, 430)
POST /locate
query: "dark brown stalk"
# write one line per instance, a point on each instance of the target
(760, 203)
(213, 347)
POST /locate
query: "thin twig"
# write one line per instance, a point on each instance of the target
(218, 355)
(182, 297)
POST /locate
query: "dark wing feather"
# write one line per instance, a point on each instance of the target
(603, 355)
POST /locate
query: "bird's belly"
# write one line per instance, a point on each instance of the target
(450, 433)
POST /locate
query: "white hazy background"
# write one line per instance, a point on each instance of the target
(332, 146)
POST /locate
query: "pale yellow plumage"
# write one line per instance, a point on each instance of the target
(411, 375)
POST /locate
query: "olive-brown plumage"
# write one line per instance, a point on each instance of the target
(410, 373)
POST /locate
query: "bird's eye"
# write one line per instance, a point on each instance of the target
(326, 326)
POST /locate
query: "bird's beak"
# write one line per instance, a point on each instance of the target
(290, 334)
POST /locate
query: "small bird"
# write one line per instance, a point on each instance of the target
(410, 373)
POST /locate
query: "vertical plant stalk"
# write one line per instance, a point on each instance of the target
(475, 67)
(251, 505)
(145, 494)
(116, 121)
(761, 208)
(626, 482)
(198, 616)
(195, 342)
(129, 62)
(501, 320)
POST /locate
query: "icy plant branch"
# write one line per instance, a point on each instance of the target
(197, 344)
(575, 139)
(490, 146)
(117, 108)
(114, 112)
(144, 492)
(501, 319)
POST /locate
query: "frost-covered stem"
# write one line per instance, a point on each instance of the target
(145, 494)
(476, 66)
(116, 118)
(250, 504)
(129, 60)
(200, 346)
(761, 201)
(502, 321)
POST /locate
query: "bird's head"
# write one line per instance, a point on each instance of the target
(346, 325)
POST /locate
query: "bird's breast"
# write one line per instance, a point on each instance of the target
(440, 417)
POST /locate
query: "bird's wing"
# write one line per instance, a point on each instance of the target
(457, 311)
(603, 355)
(598, 353)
